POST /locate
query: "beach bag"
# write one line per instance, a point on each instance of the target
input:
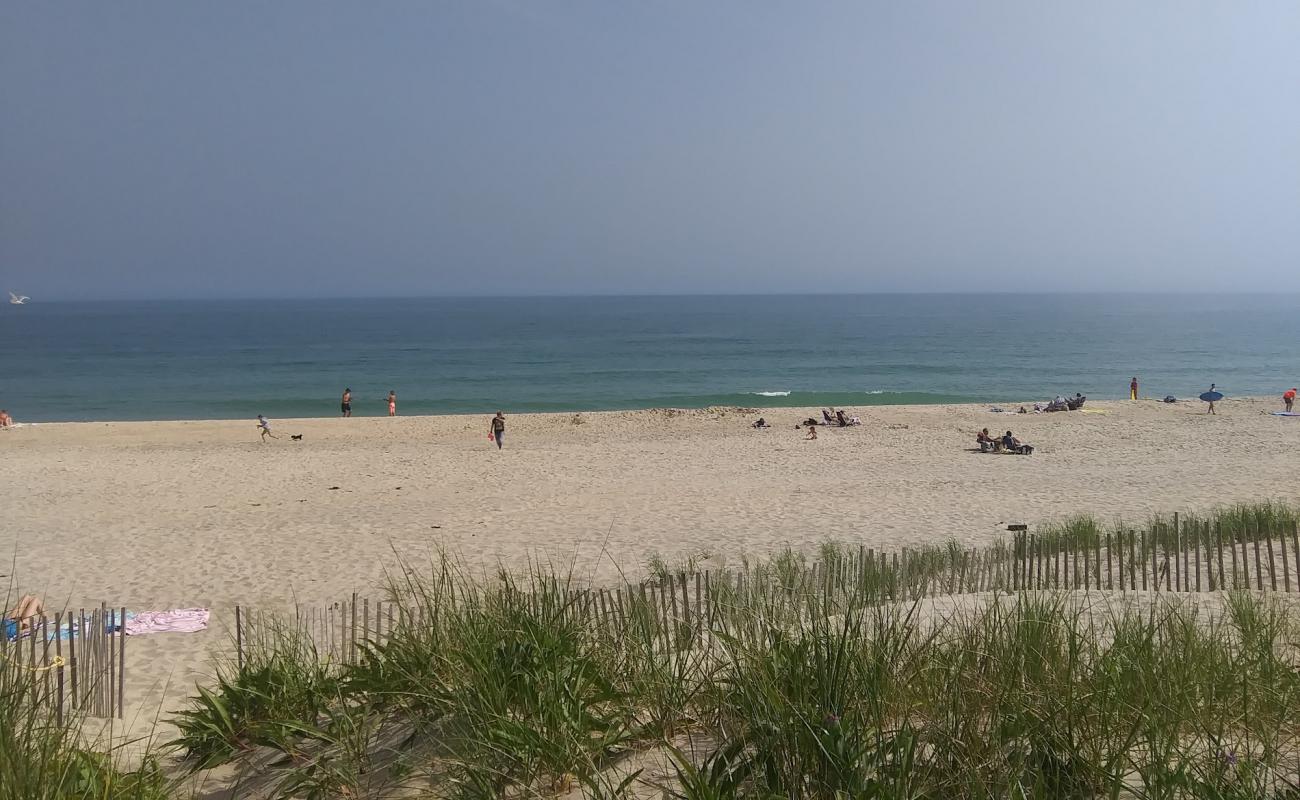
(491, 438)
(1169, 398)
(1026, 450)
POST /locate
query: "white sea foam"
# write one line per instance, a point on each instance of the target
(876, 391)
(771, 394)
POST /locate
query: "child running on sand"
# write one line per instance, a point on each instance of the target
(264, 425)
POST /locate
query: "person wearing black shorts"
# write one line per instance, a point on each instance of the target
(346, 405)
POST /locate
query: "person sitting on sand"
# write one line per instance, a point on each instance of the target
(6, 421)
(812, 433)
(18, 620)
(264, 425)
(762, 423)
(1010, 442)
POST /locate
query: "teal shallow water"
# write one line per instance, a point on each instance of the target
(228, 359)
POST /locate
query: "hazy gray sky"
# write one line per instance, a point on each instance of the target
(320, 148)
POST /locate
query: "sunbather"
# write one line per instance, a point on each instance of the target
(18, 620)
(985, 440)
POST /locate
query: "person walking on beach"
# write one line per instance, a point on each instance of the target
(392, 403)
(346, 405)
(497, 429)
(1288, 397)
(264, 425)
(1133, 388)
(1211, 402)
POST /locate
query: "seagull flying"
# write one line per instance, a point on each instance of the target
(18, 299)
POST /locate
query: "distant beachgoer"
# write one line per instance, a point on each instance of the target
(1288, 397)
(5, 420)
(1133, 388)
(985, 440)
(264, 425)
(497, 430)
(1010, 442)
(812, 432)
(1211, 402)
(761, 423)
(346, 405)
(392, 403)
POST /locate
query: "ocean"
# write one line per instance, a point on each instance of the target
(293, 358)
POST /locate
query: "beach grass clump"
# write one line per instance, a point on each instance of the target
(513, 687)
(43, 757)
(272, 700)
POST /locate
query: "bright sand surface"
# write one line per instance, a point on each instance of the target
(177, 514)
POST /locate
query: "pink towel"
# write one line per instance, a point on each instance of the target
(180, 620)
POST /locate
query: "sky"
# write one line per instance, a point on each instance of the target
(330, 149)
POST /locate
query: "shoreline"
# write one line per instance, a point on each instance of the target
(757, 409)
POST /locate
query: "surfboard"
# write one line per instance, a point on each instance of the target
(1286, 413)
(1212, 397)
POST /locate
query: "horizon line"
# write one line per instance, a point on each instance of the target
(627, 295)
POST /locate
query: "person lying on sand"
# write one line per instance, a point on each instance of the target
(19, 619)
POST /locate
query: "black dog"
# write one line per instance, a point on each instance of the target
(296, 437)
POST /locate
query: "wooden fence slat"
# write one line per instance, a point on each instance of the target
(1286, 565)
(1197, 531)
(109, 634)
(1272, 566)
(72, 660)
(1164, 550)
(121, 665)
(1232, 544)
(1295, 550)
(1187, 552)
(1259, 570)
(352, 632)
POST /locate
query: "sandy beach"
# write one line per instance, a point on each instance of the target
(176, 514)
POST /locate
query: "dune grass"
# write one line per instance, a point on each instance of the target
(497, 693)
(41, 759)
